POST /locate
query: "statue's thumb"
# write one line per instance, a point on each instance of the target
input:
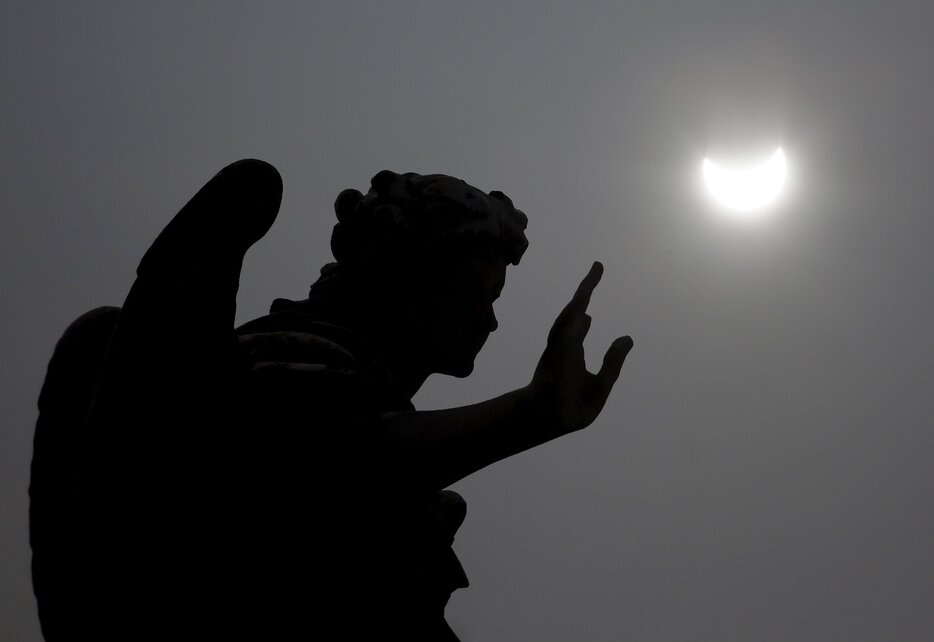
(613, 363)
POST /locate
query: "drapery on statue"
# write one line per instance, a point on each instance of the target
(274, 482)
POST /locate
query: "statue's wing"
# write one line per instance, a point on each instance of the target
(172, 355)
(54, 513)
(179, 314)
(140, 467)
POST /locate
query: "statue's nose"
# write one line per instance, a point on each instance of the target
(492, 323)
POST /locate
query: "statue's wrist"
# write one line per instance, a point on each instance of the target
(536, 412)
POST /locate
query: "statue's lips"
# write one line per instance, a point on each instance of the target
(470, 345)
(479, 343)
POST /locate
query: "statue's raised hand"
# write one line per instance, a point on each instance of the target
(567, 397)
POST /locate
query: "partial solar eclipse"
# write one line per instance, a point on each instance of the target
(746, 189)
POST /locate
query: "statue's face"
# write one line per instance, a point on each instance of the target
(454, 311)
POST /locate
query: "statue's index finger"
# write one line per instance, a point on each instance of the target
(572, 313)
(582, 296)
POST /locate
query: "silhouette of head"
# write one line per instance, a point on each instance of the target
(423, 258)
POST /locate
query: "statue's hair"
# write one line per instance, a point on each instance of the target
(405, 221)
(423, 211)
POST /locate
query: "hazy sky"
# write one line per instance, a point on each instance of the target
(763, 470)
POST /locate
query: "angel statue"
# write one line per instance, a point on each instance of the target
(273, 481)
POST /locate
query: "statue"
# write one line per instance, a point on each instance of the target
(274, 481)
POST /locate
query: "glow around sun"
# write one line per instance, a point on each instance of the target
(746, 188)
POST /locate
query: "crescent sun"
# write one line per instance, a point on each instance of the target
(746, 189)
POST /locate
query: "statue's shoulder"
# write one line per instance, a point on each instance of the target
(286, 337)
(293, 355)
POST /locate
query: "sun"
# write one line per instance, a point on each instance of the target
(749, 188)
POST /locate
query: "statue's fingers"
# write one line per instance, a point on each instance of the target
(612, 364)
(579, 327)
(573, 318)
(581, 298)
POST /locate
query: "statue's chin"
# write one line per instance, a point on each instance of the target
(459, 369)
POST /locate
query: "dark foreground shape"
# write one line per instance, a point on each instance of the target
(195, 481)
(54, 514)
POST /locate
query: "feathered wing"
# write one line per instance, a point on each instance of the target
(131, 408)
(54, 512)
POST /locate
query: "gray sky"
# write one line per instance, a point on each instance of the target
(763, 468)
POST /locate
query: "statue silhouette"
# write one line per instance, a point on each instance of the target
(274, 481)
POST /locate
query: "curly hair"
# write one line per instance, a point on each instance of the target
(407, 221)
(423, 211)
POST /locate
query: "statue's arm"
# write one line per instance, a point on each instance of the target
(441, 447)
